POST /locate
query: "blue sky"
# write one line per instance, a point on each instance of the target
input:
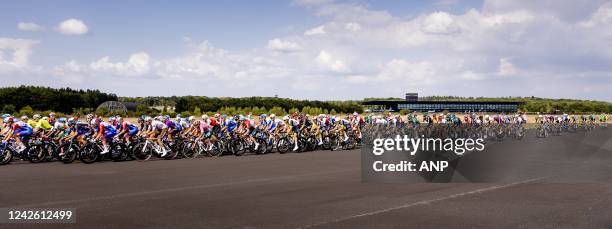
(316, 49)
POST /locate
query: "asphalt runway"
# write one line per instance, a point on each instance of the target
(321, 189)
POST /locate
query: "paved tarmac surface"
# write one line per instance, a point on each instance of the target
(320, 189)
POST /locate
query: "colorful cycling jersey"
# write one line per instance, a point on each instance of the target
(21, 126)
(323, 122)
(231, 125)
(59, 126)
(129, 127)
(212, 122)
(33, 123)
(43, 124)
(345, 122)
(293, 122)
(170, 124)
(158, 125)
(82, 128)
(183, 123)
(247, 123)
(106, 127)
(205, 127)
(272, 124)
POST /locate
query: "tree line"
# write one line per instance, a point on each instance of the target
(66, 100)
(206, 104)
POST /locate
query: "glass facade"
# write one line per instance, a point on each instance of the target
(458, 107)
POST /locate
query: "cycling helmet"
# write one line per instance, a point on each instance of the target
(241, 118)
(205, 117)
(36, 116)
(45, 118)
(119, 119)
(286, 117)
(61, 120)
(147, 119)
(111, 119)
(9, 119)
(272, 115)
(24, 118)
(6, 116)
(51, 114)
(191, 118)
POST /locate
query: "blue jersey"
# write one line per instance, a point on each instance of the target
(231, 125)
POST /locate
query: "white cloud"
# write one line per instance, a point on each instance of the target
(506, 67)
(435, 52)
(29, 26)
(15, 55)
(402, 70)
(204, 61)
(328, 62)
(353, 27)
(602, 16)
(72, 27)
(319, 30)
(137, 64)
(439, 22)
(279, 45)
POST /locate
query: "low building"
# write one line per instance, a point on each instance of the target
(413, 104)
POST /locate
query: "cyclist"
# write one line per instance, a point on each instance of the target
(20, 130)
(44, 125)
(293, 128)
(158, 130)
(106, 132)
(126, 130)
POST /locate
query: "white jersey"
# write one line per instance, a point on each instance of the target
(158, 125)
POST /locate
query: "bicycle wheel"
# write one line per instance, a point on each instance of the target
(262, 147)
(216, 150)
(141, 152)
(5, 156)
(69, 154)
(189, 150)
(89, 154)
(283, 145)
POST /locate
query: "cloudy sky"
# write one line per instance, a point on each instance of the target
(314, 49)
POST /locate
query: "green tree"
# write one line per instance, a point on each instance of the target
(8, 109)
(142, 109)
(197, 111)
(278, 111)
(102, 111)
(27, 110)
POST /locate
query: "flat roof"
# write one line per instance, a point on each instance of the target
(394, 102)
